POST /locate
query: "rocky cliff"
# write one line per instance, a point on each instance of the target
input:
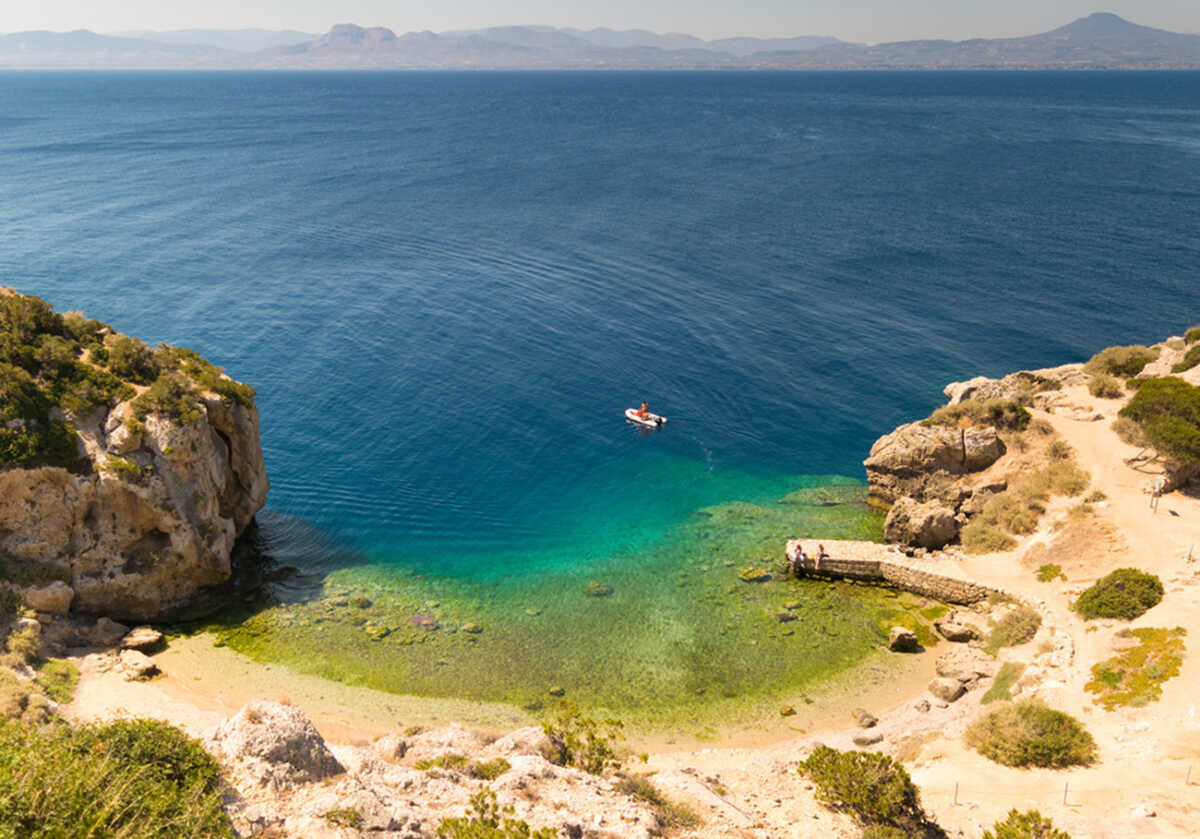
(126, 473)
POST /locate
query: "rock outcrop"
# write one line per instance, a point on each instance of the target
(145, 514)
(928, 525)
(923, 461)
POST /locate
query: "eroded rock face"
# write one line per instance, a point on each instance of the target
(922, 461)
(928, 525)
(135, 546)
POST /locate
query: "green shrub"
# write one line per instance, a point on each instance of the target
(204, 373)
(31, 572)
(82, 389)
(1096, 497)
(1190, 359)
(126, 470)
(1028, 825)
(486, 820)
(1168, 412)
(1135, 676)
(124, 780)
(58, 678)
(130, 359)
(350, 817)
(1011, 513)
(24, 644)
(10, 601)
(490, 770)
(446, 761)
(1016, 628)
(1120, 361)
(1060, 450)
(1002, 686)
(1105, 387)
(983, 537)
(1192, 335)
(1129, 432)
(1027, 733)
(578, 741)
(1050, 572)
(172, 396)
(1125, 593)
(23, 701)
(672, 815)
(1060, 477)
(1001, 413)
(870, 786)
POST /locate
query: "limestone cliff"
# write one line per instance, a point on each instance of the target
(126, 473)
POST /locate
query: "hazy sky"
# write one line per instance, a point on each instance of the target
(854, 20)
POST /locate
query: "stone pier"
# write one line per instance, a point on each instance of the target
(938, 578)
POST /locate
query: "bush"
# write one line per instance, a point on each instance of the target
(673, 816)
(872, 787)
(1014, 629)
(1125, 593)
(1028, 733)
(490, 770)
(583, 743)
(1028, 825)
(983, 537)
(1105, 387)
(1060, 450)
(485, 820)
(1129, 432)
(1192, 335)
(124, 780)
(1120, 361)
(1000, 413)
(172, 396)
(1168, 412)
(1060, 477)
(1050, 572)
(1190, 359)
(130, 359)
(350, 817)
(126, 470)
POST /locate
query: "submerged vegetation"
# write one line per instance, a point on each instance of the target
(1135, 677)
(50, 361)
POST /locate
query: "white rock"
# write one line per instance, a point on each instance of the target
(54, 598)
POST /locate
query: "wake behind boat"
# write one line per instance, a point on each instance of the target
(646, 420)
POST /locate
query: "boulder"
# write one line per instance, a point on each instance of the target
(531, 740)
(143, 638)
(54, 598)
(928, 525)
(864, 718)
(903, 462)
(453, 739)
(946, 689)
(390, 747)
(868, 739)
(953, 629)
(107, 632)
(137, 666)
(281, 736)
(965, 665)
(903, 640)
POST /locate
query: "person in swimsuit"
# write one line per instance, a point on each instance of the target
(644, 410)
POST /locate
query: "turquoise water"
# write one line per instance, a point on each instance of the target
(447, 288)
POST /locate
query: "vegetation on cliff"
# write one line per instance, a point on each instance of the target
(58, 368)
(1135, 676)
(1167, 410)
(872, 787)
(126, 779)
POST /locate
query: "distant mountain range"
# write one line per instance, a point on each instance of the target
(1099, 41)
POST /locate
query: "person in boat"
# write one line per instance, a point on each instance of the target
(644, 411)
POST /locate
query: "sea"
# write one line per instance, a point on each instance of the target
(446, 289)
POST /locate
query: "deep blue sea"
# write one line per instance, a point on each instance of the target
(447, 287)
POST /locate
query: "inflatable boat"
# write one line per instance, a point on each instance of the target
(648, 421)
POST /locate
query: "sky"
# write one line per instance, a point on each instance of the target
(870, 21)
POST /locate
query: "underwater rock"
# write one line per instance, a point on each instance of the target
(785, 617)
(471, 628)
(787, 711)
(557, 690)
(754, 575)
(598, 589)
(903, 640)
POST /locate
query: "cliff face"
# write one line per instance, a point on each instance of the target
(137, 502)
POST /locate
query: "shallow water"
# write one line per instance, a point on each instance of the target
(447, 288)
